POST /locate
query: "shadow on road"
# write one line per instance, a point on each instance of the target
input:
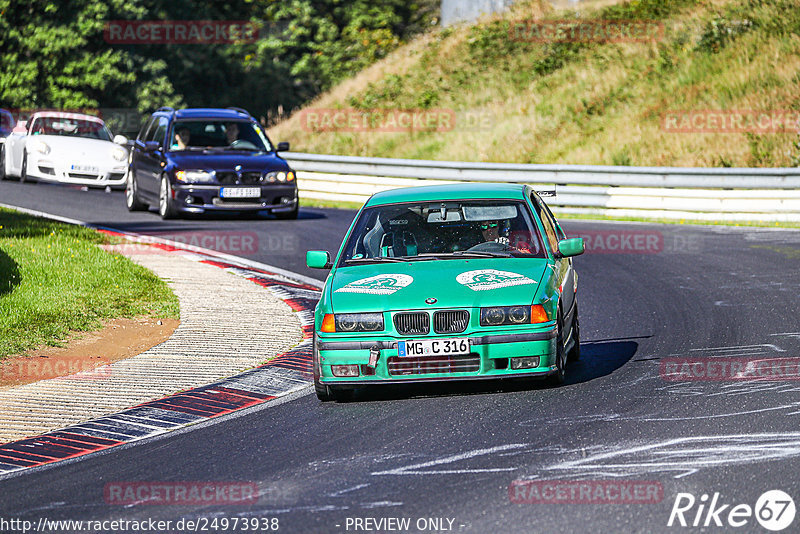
(598, 359)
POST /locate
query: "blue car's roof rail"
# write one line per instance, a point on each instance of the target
(240, 110)
(165, 108)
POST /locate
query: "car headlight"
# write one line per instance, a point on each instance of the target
(195, 177)
(279, 177)
(354, 322)
(511, 315)
(41, 147)
(119, 153)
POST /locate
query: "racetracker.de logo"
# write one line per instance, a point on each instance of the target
(731, 121)
(722, 369)
(180, 31)
(622, 241)
(586, 31)
(585, 492)
(378, 120)
(181, 493)
(33, 369)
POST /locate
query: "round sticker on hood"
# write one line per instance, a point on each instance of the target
(384, 284)
(486, 279)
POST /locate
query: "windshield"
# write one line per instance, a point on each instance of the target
(442, 230)
(218, 135)
(70, 128)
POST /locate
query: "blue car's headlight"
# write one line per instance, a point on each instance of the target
(195, 177)
(281, 177)
(358, 322)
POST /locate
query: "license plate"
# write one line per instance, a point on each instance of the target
(86, 168)
(432, 347)
(240, 192)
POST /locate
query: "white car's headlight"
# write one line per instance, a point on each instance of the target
(41, 147)
(119, 153)
(194, 177)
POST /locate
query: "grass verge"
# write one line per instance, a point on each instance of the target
(55, 280)
(596, 103)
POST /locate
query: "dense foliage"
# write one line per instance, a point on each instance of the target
(55, 54)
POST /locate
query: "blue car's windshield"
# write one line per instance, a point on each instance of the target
(443, 230)
(217, 134)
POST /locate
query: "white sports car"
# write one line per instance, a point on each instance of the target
(69, 148)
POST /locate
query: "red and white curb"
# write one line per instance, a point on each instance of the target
(281, 376)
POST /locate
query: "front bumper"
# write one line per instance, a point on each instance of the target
(489, 358)
(199, 198)
(45, 170)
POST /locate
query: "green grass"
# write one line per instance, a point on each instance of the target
(596, 103)
(55, 280)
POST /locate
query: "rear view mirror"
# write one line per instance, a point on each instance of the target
(120, 140)
(151, 146)
(283, 146)
(318, 259)
(571, 247)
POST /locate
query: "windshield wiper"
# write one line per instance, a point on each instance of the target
(392, 259)
(386, 259)
(482, 254)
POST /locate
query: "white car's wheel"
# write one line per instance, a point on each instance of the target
(3, 162)
(23, 173)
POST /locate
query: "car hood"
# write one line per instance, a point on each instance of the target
(79, 149)
(213, 161)
(453, 283)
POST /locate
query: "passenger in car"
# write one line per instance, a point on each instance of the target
(182, 139)
(231, 132)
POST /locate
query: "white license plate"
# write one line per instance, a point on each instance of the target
(432, 347)
(240, 192)
(88, 169)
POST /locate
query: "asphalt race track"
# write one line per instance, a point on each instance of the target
(445, 456)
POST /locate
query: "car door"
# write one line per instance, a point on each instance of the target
(148, 165)
(137, 152)
(15, 147)
(564, 271)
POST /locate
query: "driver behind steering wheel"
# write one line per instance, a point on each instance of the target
(490, 230)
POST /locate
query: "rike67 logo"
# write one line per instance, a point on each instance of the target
(774, 510)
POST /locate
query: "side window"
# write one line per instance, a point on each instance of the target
(547, 222)
(160, 132)
(143, 132)
(559, 232)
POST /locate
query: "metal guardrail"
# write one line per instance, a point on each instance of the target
(665, 192)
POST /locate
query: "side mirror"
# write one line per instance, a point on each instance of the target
(152, 146)
(283, 146)
(318, 259)
(120, 140)
(571, 247)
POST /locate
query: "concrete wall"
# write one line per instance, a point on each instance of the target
(454, 11)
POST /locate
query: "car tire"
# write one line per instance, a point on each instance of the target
(132, 200)
(324, 393)
(23, 173)
(166, 206)
(288, 215)
(2, 162)
(575, 352)
(557, 378)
